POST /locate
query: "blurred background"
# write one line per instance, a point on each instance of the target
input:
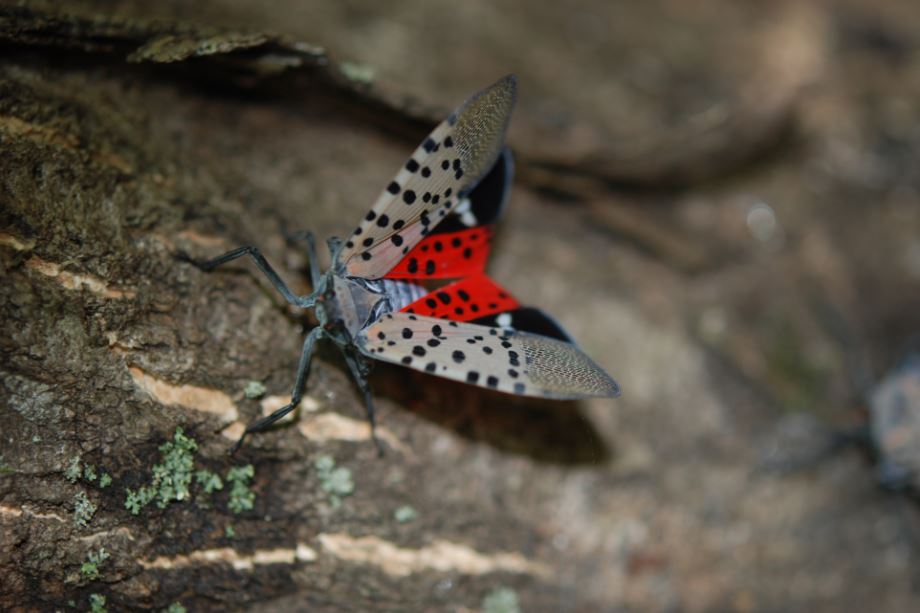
(719, 199)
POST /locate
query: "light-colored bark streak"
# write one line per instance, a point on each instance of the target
(227, 555)
(76, 281)
(201, 399)
(440, 556)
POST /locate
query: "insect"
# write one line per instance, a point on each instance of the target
(894, 411)
(408, 285)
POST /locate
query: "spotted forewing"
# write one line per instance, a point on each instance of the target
(501, 359)
(435, 180)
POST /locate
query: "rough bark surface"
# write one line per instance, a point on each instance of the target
(127, 135)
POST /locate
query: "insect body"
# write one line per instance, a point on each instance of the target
(433, 223)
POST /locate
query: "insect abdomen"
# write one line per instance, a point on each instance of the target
(402, 293)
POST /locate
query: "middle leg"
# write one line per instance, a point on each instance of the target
(303, 369)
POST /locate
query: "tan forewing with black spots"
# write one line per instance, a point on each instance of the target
(504, 360)
(445, 167)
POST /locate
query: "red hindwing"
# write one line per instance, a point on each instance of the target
(465, 300)
(446, 255)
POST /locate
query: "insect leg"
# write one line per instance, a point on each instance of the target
(360, 369)
(264, 266)
(307, 237)
(303, 369)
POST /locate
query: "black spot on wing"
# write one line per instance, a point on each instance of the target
(488, 198)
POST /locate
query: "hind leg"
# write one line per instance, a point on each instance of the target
(360, 369)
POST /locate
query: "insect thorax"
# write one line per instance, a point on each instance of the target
(359, 302)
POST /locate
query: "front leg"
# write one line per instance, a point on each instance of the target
(263, 265)
(307, 237)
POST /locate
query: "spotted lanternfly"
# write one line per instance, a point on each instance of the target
(433, 222)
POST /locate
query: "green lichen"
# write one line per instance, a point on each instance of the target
(105, 480)
(241, 497)
(324, 464)
(97, 603)
(135, 501)
(90, 568)
(405, 514)
(5, 468)
(209, 482)
(73, 470)
(335, 482)
(501, 600)
(229, 532)
(83, 510)
(175, 608)
(254, 389)
(362, 74)
(89, 472)
(171, 478)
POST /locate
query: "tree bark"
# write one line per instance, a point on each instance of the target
(126, 374)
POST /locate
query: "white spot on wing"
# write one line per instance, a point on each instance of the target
(467, 218)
